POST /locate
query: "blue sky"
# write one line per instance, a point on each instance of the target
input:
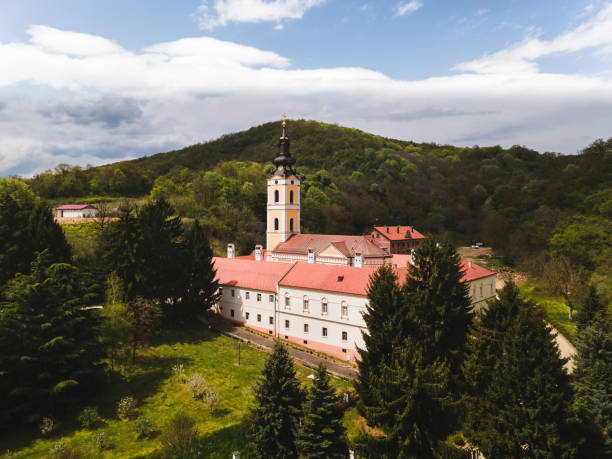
(89, 82)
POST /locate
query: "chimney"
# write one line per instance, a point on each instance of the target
(311, 255)
(230, 250)
(398, 229)
(258, 252)
(358, 259)
(387, 228)
(470, 263)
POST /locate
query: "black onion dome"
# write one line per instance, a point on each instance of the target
(284, 157)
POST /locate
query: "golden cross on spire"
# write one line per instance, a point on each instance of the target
(284, 117)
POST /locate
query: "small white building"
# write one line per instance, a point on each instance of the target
(76, 211)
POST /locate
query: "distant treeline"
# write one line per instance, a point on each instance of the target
(527, 205)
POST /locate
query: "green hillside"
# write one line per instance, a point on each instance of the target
(527, 205)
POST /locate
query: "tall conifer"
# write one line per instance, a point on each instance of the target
(321, 434)
(591, 307)
(279, 399)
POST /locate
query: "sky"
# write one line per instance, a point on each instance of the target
(87, 82)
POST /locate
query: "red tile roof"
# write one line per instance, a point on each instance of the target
(326, 277)
(251, 256)
(258, 275)
(347, 245)
(401, 260)
(475, 272)
(73, 206)
(399, 233)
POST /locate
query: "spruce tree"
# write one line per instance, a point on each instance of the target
(591, 307)
(201, 289)
(49, 351)
(322, 434)
(384, 305)
(592, 380)
(524, 411)
(279, 399)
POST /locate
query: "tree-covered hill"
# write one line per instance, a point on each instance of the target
(524, 203)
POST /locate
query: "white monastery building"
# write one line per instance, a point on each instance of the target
(76, 211)
(311, 289)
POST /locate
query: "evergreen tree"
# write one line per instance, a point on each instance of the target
(279, 399)
(593, 380)
(322, 434)
(46, 233)
(439, 306)
(48, 344)
(201, 290)
(591, 307)
(525, 408)
(384, 305)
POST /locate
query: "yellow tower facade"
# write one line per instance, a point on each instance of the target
(283, 196)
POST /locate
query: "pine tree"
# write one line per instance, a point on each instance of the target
(593, 380)
(591, 307)
(384, 305)
(279, 399)
(48, 344)
(439, 305)
(201, 290)
(525, 408)
(322, 434)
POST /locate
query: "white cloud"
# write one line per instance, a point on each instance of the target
(215, 13)
(521, 58)
(404, 8)
(60, 102)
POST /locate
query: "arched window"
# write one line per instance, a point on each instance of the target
(276, 196)
(276, 224)
(291, 196)
(291, 225)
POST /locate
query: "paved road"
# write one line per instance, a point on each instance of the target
(266, 343)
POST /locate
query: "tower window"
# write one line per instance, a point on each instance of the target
(291, 225)
(276, 224)
(276, 197)
(291, 196)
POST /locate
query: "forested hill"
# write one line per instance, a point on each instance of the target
(515, 199)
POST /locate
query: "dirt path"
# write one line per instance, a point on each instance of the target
(567, 350)
(266, 344)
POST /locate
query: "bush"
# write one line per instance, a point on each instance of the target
(126, 407)
(211, 399)
(179, 372)
(47, 425)
(63, 450)
(89, 417)
(100, 439)
(179, 437)
(143, 427)
(197, 385)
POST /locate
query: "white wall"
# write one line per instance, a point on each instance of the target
(240, 304)
(482, 290)
(76, 213)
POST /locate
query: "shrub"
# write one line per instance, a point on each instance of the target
(100, 439)
(179, 437)
(179, 372)
(143, 427)
(197, 385)
(63, 450)
(211, 399)
(126, 407)
(47, 425)
(89, 417)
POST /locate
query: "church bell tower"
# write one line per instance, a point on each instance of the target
(283, 196)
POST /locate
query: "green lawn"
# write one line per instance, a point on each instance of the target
(159, 393)
(556, 310)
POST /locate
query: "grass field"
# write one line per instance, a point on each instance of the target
(159, 393)
(556, 310)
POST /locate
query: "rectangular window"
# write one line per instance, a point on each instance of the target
(305, 328)
(232, 313)
(287, 302)
(271, 320)
(233, 292)
(344, 311)
(259, 297)
(247, 295)
(271, 298)
(286, 324)
(324, 308)
(247, 316)
(324, 331)
(306, 305)
(258, 317)
(344, 336)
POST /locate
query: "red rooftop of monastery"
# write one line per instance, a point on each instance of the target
(398, 232)
(257, 275)
(340, 279)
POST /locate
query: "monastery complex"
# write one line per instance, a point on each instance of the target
(311, 289)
